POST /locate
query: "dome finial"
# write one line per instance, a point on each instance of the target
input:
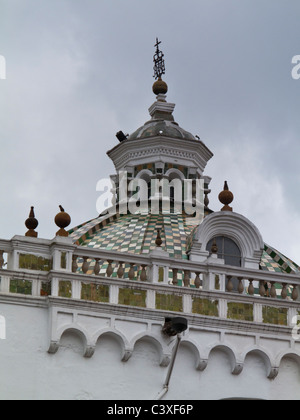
(159, 87)
(226, 197)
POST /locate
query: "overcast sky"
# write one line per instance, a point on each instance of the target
(78, 71)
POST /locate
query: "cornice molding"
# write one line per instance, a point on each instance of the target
(133, 152)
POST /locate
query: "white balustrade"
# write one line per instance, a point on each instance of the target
(106, 277)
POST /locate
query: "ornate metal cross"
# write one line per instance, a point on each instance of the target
(159, 62)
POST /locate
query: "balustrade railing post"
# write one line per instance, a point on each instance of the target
(85, 265)
(131, 272)
(1, 259)
(295, 293)
(284, 291)
(175, 276)
(186, 278)
(273, 293)
(97, 266)
(241, 286)
(197, 280)
(143, 276)
(262, 289)
(120, 272)
(109, 269)
(74, 263)
(251, 288)
(229, 286)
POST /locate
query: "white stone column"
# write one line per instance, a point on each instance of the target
(36, 287)
(223, 308)
(4, 284)
(54, 287)
(257, 312)
(187, 304)
(150, 300)
(114, 294)
(76, 289)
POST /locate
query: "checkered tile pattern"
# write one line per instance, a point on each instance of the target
(136, 234)
(273, 260)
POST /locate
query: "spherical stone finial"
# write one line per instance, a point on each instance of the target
(31, 223)
(226, 197)
(62, 220)
(160, 87)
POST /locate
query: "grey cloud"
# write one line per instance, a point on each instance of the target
(77, 72)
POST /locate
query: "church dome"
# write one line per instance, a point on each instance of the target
(135, 234)
(161, 127)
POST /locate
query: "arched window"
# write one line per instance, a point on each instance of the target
(147, 177)
(175, 176)
(227, 250)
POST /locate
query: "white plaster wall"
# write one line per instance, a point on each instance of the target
(28, 371)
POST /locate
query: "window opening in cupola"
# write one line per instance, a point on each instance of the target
(146, 177)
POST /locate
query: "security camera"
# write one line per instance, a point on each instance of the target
(121, 136)
(174, 326)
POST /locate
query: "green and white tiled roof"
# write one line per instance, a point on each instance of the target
(137, 234)
(273, 260)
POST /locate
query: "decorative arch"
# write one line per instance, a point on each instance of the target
(174, 173)
(145, 174)
(164, 354)
(126, 351)
(290, 354)
(236, 365)
(80, 332)
(234, 226)
(271, 366)
(200, 363)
